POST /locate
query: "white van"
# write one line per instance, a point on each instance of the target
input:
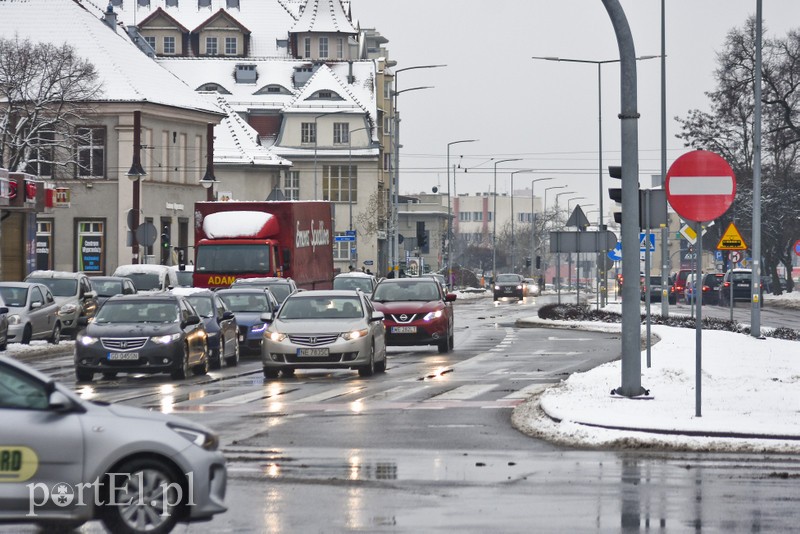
(148, 277)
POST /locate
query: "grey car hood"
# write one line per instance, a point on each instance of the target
(317, 326)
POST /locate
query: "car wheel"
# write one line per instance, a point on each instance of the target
(83, 376)
(144, 502)
(369, 368)
(287, 372)
(215, 362)
(109, 375)
(233, 361)
(56, 337)
(183, 371)
(202, 368)
(446, 345)
(270, 373)
(4, 345)
(26, 335)
(380, 367)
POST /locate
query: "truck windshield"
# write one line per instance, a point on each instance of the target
(239, 258)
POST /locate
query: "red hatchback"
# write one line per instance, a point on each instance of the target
(417, 312)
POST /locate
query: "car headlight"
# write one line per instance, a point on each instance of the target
(258, 328)
(14, 319)
(67, 309)
(519, 287)
(88, 340)
(354, 334)
(433, 315)
(164, 340)
(206, 440)
(497, 288)
(276, 336)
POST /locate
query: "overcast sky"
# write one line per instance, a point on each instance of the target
(545, 112)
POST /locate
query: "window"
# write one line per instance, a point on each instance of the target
(464, 216)
(477, 216)
(90, 254)
(387, 125)
(169, 45)
(20, 391)
(387, 89)
(340, 48)
(337, 183)
(151, 41)
(387, 161)
(308, 133)
(291, 185)
(341, 249)
(341, 133)
(41, 157)
(246, 73)
(211, 46)
(91, 152)
(231, 46)
(323, 47)
(489, 216)
(307, 47)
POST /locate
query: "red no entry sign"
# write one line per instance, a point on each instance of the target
(700, 186)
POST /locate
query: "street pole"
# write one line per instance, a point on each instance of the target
(544, 265)
(350, 185)
(558, 254)
(513, 247)
(533, 226)
(755, 278)
(664, 229)
(494, 218)
(449, 213)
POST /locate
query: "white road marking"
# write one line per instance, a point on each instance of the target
(465, 392)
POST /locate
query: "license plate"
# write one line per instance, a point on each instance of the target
(241, 338)
(313, 352)
(123, 355)
(404, 330)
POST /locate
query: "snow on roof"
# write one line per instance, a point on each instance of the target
(224, 224)
(145, 268)
(323, 80)
(326, 16)
(125, 72)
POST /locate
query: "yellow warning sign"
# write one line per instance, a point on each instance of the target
(731, 240)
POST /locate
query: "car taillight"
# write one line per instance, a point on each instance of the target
(726, 284)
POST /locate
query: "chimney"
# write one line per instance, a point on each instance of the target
(350, 78)
(110, 17)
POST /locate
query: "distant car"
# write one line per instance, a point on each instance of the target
(149, 277)
(531, 287)
(248, 304)
(220, 324)
(710, 283)
(325, 329)
(184, 275)
(738, 283)
(509, 286)
(679, 281)
(32, 312)
(108, 286)
(355, 280)
(74, 294)
(279, 287)
(96, 456)
(656, 291)
(143, 333)
(417, 312)
(439, 278)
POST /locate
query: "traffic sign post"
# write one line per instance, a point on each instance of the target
(700, 187)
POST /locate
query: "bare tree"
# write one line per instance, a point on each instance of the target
(366, 220)
(46, 92)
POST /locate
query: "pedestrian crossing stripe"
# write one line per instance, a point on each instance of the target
(731, 240)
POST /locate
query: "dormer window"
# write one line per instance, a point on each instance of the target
(144, 3)
(171, 3)
(232, 4)
(325, 95)
(203, 3)
(211, 46)
(273, 89)
(213, 88)
(246, 74)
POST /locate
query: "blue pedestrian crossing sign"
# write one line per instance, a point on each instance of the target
(643, 242)
(615, 254)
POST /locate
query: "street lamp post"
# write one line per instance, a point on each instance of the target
(558, 254)
(350, 183)
(569, 258)
(449, 214)
(533, 225)
(316, 142)
(394, 181)
(512, 212)
(494, 218)
(599, 64)
(546, 189)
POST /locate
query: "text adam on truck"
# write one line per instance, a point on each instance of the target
(254, 239)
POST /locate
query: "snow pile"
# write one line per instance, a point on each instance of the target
(228, 224)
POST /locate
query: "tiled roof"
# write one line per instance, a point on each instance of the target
(326, 16)
(126, 74)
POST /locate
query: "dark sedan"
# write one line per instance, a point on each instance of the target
(146, 333)
(247, 305)
(509, 286)
(220, 323)
(108, 286)
(279, 287)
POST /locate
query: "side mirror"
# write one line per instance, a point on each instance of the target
(377, 316)
(58, 402)
(267, 317)
(192, 320)
(90, 295)
(3, 310)
(36, 305)
(450, 297)
(227, 315)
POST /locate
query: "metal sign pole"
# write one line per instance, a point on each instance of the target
(698, 331)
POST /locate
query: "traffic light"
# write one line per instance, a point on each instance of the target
(165, 239)
(422, 236)
(528, 261)
(615, 193)
(538, 262)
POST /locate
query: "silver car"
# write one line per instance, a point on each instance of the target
(136, 470)
(324, 329)
(74, 294)
(32, 312)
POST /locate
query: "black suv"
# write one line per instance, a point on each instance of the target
(739, 281)
(509, 286)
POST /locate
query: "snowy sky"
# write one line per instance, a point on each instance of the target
(545, 112)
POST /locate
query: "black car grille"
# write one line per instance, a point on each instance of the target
(313, 340)
(123, 343)
(403, 317)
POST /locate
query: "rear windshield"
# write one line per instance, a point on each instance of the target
(145, 281)
(107, 288)
(364, 284)
(60, 287)
(246, 302)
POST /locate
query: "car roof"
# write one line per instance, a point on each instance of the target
(263, 279)
(120, 278)
(242, 289)
(190, 291)
(54, 274)
(326, 293)
(355, 274)
(409, 280)
(161, 295)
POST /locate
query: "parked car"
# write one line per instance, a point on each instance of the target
(3, 325)
(355, 280)
(74, 295)
(220, 324)
(108, 286)
(509, 285)
(710, 283)
(417, 312)
(324, 329)
(248, 304)
(279, 287)
(148, 277)
(738, 282)
(97, 454)
(183, 275)
(144, 333)
(32, 312)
